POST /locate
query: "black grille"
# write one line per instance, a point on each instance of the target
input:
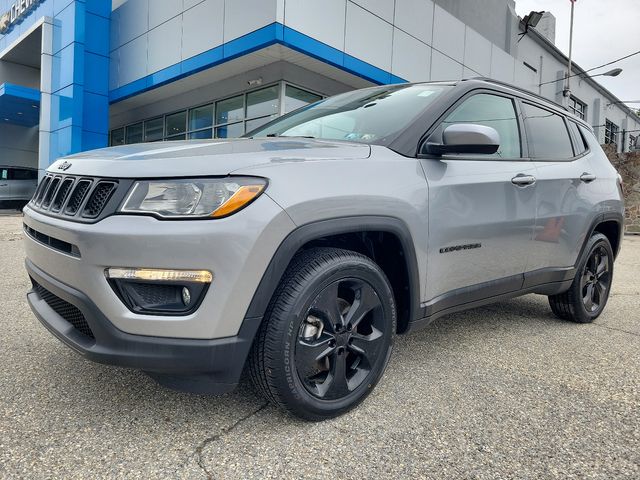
(52, 242)
(63, 308)
(48, 196)
(154, 294)
(62, 194)
(99, 198)
(37, 198)
(77, 197)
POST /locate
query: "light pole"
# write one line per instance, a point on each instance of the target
(611, 73)
(567, 91)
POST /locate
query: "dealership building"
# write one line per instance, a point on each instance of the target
(82, 74)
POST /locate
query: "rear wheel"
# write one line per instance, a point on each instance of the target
(327, 335)
(586, 298)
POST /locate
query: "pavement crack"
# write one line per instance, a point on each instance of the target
(616, 329)
(224, 431)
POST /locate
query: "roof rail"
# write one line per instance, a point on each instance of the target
(519, 89)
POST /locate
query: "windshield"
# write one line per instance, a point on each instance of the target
(368, 116)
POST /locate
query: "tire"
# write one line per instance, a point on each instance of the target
(332, 312)
(586, 298)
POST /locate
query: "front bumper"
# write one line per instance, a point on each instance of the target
(203, 366)
(236, 249)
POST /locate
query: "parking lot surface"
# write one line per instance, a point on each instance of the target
(506, 391)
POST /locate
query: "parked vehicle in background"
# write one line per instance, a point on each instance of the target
(304, 248)
(17, 185)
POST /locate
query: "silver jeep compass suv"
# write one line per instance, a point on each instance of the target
(302, 249)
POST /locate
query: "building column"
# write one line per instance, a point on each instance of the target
(74, 79)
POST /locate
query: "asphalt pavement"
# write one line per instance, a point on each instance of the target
(506, 391)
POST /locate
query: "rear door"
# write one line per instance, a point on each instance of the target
(481, 209)
(565, 208)
(5, 184)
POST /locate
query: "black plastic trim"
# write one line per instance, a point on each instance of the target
(601, 218)
(206, 366)
(313, 231)
(547, 281)
(56, 244)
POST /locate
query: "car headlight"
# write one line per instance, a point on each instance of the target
(193, 197)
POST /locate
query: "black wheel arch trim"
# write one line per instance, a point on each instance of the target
(599, 219)
(336, 226)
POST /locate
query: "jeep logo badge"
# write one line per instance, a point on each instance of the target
(65, 166)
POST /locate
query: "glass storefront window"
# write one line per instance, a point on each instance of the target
(154, 130)
(263, 102)
(201, 117)
(176, 137)
(228, 118)
(206, 133)
(295, 98)
(230, 110)
(258, 122)
(176, 123)
(117, 137)
(230, 131)
(134, 133)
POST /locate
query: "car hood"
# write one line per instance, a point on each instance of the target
(198, 158)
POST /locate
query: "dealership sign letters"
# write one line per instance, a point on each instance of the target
(19, 9)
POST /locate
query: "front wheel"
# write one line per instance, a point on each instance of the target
(586, 298)
(327, 335)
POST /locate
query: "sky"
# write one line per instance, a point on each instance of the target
(603, 30)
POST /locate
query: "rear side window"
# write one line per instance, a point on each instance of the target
(492, 111)
(23, 174)
(579, 141)
(547, 134)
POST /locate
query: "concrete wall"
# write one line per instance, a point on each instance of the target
(19, 75)
(412, 39)
(19, 146)
(148, 36)
(549, 69)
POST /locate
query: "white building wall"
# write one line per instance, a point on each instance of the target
(19, 145)
(417, 40)
(150, 35)
(551, 69)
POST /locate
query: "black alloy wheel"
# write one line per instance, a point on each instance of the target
(327, 335)
(587, 296)
(595, 280)
(340, 339)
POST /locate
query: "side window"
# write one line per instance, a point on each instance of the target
(4, 174)
(493, 111)
(579, 141)
(547, 134)
(24, 174)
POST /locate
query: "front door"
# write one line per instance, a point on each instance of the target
(481, 210)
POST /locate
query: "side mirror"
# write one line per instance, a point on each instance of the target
(465, 138)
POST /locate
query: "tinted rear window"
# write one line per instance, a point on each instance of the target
(547, 134)
(24, 174)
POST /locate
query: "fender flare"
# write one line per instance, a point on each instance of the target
(601, 218)
(336, 226)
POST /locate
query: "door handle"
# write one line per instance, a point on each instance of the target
(587, 177)
(3, 184)
(522, 180)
